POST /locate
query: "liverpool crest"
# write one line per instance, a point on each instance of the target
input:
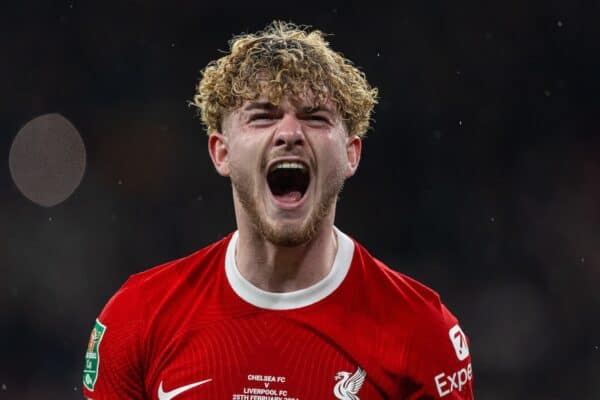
(92, 356)
(349, 384)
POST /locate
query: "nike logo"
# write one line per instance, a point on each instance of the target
(162, 395)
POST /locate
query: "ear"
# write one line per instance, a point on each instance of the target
(219, 153)
(353, 150)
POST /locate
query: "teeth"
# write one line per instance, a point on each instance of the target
(288, 165)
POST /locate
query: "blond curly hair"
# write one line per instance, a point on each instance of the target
(284, 59)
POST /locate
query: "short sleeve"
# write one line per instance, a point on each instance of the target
(112, 367)
(442, 360)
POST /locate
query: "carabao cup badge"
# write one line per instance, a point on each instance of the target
(92, 356)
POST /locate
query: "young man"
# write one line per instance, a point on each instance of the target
(288, 306)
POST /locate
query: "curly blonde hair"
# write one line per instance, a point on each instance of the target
(284, 59)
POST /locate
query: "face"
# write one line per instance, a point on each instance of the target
(287, 165)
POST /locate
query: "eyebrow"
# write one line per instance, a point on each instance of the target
(313, 109)
(265, 105)
(268, 106)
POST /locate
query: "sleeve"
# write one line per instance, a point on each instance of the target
(113, 366)
(442, 361)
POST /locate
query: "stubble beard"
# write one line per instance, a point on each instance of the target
(287, 235)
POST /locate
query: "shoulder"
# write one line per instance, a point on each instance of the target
(144, 288)
(119, 336)
(434, 347)
(413, 302)
(397, 288)
(171, 270)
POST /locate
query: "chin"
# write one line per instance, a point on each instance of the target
(289, 234)
(286, 220)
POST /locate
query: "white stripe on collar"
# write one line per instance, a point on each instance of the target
(298, 298)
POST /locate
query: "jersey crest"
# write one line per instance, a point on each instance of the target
(349, 384)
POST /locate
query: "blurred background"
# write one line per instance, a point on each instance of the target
(480, 178)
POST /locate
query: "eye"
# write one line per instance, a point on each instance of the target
(261, 117)
(315, 118)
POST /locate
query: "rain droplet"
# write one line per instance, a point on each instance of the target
(4, 387)
(50, 219)
(377, 54)
(559, 23)
(172, 44)
(119, 182)
(547, 93)
(460, 123)
(492, 219)
(74, 388)
(582, 260)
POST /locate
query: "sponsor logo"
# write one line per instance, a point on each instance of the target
(459, 341)
(349, 384)
(162, 395)
(92, 356)
(447, 383)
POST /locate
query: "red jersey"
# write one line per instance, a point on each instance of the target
(194, 328)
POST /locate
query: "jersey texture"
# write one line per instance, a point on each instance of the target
(194, 328)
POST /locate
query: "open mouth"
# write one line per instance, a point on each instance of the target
(288, 180)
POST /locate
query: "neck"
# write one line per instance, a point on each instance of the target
(284, 269)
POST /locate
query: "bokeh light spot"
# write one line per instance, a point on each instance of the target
(47, 159)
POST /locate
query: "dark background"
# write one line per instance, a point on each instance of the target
(481, 177)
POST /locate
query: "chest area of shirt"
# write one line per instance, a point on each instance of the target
(259, 359)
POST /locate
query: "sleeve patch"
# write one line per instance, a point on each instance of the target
(459, 341)
(92, 356)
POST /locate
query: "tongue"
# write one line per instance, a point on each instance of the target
(290, 197)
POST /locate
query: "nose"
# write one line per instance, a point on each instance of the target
(289, 132)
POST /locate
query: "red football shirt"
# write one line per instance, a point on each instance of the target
(194, 328)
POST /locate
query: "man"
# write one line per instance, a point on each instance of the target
(288, 306)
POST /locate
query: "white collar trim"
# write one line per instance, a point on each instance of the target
(298, 298)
